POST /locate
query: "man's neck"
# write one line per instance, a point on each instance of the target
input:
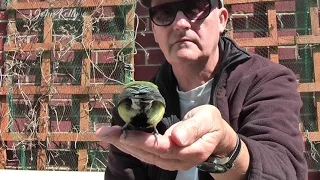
(192, 75)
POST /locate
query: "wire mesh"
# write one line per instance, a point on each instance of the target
(53, 50)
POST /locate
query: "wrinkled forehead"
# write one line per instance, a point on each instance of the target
(158, 2)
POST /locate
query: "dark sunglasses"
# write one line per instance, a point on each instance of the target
(165, 14)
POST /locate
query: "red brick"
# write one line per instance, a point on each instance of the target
(145, 73)
(20, 124)
(30, 56)
(3, 28)
(239, 35)
(287, 53)
(239, 22)
(282, 33)
(251, 50)
(140, 58)
(103, 37)
(94, 56)
(58, 145)
(63, 39)
(263, 51)
(10, 144)
(146, 40)
(62, 78)
(33, 39)
(285, 6)
(141, 11)
(27, 79)
(106, 56)
(62, 56)
(156, 57)
(60, 126)
(3, 15)
(242, 8)
(96, 104)
(106, 11)
(286, 21)
(22, 13)
(2, 41)
(143, 25)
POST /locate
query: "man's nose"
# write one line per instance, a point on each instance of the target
(181, 22)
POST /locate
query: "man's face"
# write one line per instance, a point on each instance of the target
(189, 40)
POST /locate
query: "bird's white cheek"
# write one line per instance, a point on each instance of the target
(135, 104)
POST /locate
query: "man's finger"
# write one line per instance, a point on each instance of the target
(190, 130)
(109, 134)
(146, 141)
(152, 158)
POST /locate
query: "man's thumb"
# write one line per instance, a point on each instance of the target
(188, 131)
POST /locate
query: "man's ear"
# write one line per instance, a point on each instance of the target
(223, 17)
(154, 33)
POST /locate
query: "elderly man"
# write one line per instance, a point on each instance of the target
(239, 112)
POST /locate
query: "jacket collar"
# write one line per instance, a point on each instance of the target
(231, 53)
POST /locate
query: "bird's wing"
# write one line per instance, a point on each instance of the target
(155, 114)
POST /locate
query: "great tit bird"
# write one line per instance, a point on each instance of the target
(141, 106)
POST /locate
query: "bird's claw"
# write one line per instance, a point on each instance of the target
(124, 132)
(155, 135)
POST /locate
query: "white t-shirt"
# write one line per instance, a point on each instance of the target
(189, 100)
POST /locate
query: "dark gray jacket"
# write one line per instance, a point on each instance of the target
(258, 98)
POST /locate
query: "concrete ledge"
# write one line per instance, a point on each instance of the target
(50, 175)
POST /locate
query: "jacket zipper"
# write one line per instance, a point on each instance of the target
(215, 89)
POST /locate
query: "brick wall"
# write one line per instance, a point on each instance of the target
(149, 56)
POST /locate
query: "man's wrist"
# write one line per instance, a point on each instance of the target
(219, 165)
(227, 143)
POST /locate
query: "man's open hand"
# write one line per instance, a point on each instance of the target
(184, 145)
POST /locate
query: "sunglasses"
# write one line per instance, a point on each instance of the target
(165, 14)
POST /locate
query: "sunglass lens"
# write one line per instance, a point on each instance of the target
(163, 15)
(197, 9)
